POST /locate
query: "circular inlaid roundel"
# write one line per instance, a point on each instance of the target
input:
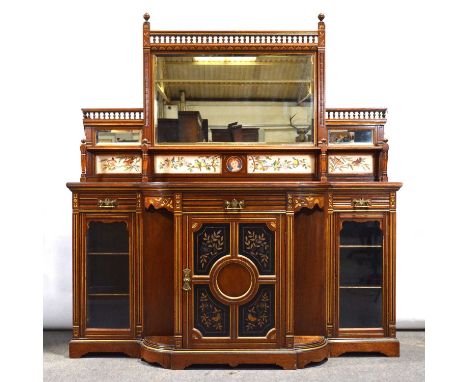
(234, 280)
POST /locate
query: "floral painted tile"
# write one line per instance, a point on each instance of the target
(188, 164)
(280, 164)
(350, 164)
(118, 164)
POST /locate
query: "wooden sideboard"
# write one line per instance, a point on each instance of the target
(273, 250)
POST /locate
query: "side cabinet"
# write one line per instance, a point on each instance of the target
(105, 295)
(362, 282)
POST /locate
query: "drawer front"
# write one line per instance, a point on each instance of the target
(361, 201)
(107, 202)
(233, 202)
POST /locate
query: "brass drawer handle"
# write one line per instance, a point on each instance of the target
(107, 203)
(234, 205)
(361, 203)
(187, 280)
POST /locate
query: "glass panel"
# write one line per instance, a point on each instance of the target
(360, 307)
(350, 137)
(360, 266)
(118, 137)
(234, 99)
(107, 275)
(108, 312)
(361, 274)
(361, 233)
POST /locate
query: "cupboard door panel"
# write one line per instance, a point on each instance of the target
(231, 289)
(361, 262)
(107, 270)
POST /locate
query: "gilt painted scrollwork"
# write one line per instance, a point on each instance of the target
(158, 202)
(211, 317)
(257, 317)
(257, 243)
(211, 242)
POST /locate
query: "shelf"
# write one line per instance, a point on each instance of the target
(108, 294)
(360, 246)
(107, 253)
(361, 287)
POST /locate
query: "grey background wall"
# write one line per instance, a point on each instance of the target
(378, 54)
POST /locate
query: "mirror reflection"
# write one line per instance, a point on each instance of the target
(234, 99)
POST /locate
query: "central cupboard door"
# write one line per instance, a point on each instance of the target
(232, 282)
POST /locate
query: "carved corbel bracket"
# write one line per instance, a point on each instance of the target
(297, 202)
(158, 202)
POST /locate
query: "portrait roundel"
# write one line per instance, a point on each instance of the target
(234, 164)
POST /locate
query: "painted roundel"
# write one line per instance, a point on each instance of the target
(234, 164)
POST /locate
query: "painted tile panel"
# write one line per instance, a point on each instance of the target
(350, 164)
(280, 164)
(188, 164)
(118, 164)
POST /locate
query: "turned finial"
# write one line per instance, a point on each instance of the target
(146, 16)
(321, 16)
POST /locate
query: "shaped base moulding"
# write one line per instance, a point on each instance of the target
(78, 348)
(386, 346)
(306, 350)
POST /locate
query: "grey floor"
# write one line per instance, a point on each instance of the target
(408, 367)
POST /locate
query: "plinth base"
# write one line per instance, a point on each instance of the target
(157, 350)
(386, 346)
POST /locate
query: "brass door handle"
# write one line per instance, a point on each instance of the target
(234, 205)
(107, 203)
(187, 279)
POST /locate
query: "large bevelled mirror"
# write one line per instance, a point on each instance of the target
(234, 99)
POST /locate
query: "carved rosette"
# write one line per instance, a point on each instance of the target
(158, 202)
(75, 201)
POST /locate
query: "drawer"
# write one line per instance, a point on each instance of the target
(233, 202)
(107, 202)
(361, 201)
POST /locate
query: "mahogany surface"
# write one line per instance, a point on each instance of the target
(234, 266)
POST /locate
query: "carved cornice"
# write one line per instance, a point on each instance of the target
(158, 202)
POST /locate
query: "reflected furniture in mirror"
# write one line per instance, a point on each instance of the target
(234, 219)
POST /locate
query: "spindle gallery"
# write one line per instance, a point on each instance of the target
(234, 218)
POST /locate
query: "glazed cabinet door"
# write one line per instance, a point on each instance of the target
(361, 286)
(107, 268)
(231, 282)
